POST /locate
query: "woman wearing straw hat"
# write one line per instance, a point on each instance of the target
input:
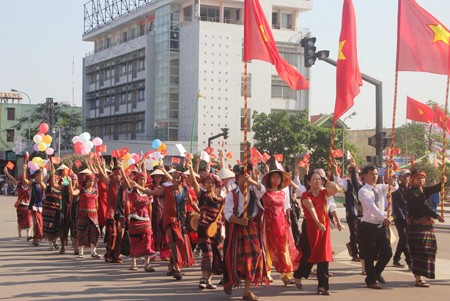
(210, 204)
(421, 237)
(315, 241)
(280, 246)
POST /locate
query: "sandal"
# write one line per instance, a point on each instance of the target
(422, 283)
(148, 268)
(81, 255)
(202, 284)
(133, 267)
(285, 280)
(250, 297)
(298, 283)
(95, 255)
(228, 289)
(177, 275)
(171, 273)
(211, 286)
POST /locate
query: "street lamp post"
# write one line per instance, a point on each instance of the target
(343, 140)
(29, 112)
(199, 95)
(59, 140)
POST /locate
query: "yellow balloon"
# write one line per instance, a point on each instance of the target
(36, 159)
(126, 157)
(47, 139)
(42, 146)
(155, 163)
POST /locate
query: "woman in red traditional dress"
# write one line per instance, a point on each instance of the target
(315, 237)
(24, 221)
(139, 223)
(280, 246)
(88, 231)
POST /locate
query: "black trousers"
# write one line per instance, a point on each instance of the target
(304, 268)
(402, 245)
(375, 241)
(352, 222)
(295, 228)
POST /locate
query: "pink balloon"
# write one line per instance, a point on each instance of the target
(97, 141)
(84, 151)
(32, 165)
(49, 151)
(43, 127)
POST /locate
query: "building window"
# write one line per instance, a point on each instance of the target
(141, 65)
(108, 43)
(10, 135)
(124, 36)
(133, 33)
(210, 14)
(286, 21)
(141, 95)
(249, 119)
(275, 21)
(241, 152)
(11, 113)
(281, 90)
(249, 85)
(187, 13)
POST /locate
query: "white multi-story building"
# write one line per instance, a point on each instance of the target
(152, 58)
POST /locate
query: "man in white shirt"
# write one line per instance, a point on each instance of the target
(374, 231)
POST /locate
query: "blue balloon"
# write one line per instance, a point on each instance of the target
(156, 143)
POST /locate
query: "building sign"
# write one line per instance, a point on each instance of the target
(10, 95)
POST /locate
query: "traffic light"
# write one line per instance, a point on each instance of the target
(309, 51)
(225, 133)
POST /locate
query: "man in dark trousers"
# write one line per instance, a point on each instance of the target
(399, 213)
(351, 187)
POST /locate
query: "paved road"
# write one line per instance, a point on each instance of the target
(34, 273)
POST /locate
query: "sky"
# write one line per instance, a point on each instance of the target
(42, 52)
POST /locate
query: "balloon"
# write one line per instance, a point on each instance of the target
(42, 146)
(89, 145)
(127, 157)
(47, 139)
(78, 146)
(33, 166)
(50, 151)
(43, 127)
(37, 138)
(97, 141)
(136, 158)
(84, 151)
(35, 147)
(156, 143)
(85, 137)
(162, 147)
(160, 156)
(149, 164)
(75, 139)
(131, 161)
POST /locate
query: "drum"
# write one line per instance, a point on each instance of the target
(192, 219)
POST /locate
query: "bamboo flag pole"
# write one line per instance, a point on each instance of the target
(444, 141)
(330, 159)
(391, 155)
(245, 140)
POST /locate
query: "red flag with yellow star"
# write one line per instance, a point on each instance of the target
(348, 76)
(418, 111)
(422, 41)
(439, 118)
(259, 44)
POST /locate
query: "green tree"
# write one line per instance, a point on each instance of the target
(67, 118)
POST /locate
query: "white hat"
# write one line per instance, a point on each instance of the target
(157, 172)
(62, 167)
(86, 171)
(188, 173)
(225, 173)
(404, 172)
(107, 170)
(172, 170)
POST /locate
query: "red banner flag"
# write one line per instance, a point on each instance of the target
(418, 111)
(337, 153)
(239, 162)
(265, 158)
(348, 76)
(10, 165)
(278, 157)
(393, 151)
(303, 164)
(255, 156)
(77, 163)
(439, 118)
(209, 150)
(394, 166)
(55, 160)
(229, 155)
(100, 149)
(27, 156)
(306, 158)
(422, 41)
(259, 44)
(124, 151)
(412, 160)
(176, 160)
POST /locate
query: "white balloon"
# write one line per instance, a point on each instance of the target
(75, 139)
(131, 161)
(85, 137)
(89, 145)
(37, 138)
(149, 164)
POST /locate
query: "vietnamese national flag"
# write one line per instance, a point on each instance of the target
(422, 41)
(348, 76)
(265, 158)
(229, 155)
(440, 117)
(176, 160)
(337, 153)
(418, 111)
(100, 148)
(278, 157)
(77, 163)
(55, 160)
(393, 151)
(10, 165)
(303, 164)
(209, 150)
(255, 156)
(259, 44)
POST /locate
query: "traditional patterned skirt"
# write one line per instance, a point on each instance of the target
(24, 217)
(211, 250)
(244, 255)
(423, 246)
(180, 246)
(52, 219)
(140, 238)
(37, 225)
(87, 231)
(160, 239)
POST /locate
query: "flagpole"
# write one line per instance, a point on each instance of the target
(444, 140)
(330, 159)
(391, 155)
(245, 139)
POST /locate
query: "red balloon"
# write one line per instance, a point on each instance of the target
(43, 127)
(78, 147)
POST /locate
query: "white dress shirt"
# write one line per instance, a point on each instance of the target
(229, 203)
(372, 201)
(341, 182)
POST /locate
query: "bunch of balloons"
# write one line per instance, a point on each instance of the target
(36, 163)
(42, 141)
(83, 145)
